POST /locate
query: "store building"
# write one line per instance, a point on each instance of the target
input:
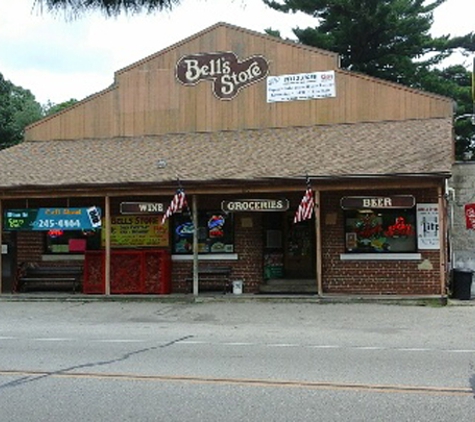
(241, 121)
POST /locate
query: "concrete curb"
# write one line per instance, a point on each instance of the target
(208, 298)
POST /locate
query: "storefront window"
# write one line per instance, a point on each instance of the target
(374, 230)
(72, 241)
(215, 233)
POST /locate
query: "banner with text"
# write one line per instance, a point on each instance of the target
(301, 86)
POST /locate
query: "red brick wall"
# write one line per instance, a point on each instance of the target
(372, 277)
(29, 246)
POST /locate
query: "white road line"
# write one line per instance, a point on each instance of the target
(284, 345)
(415, 349)
(234, 344)
(238, 344)
(325, 346)
(118, 340)
(369, 348)
(53, 339)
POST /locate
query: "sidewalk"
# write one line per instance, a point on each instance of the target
(207, 297)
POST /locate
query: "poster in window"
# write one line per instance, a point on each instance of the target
(138, 231)
(428, 226)
(215, 233)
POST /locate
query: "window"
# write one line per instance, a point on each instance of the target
(72, 241)
(380, 231)
(215, 233)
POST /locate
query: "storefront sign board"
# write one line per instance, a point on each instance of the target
(142, 208)
(45, 219)
(377, 202)
(255, 205)
(224, 70)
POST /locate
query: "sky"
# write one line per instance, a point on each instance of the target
(58, 58)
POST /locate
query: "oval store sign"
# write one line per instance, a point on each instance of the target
(255, 205)
(227, 74)
(388, 202)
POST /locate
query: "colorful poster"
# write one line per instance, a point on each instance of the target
(138, 231)
(428, 226)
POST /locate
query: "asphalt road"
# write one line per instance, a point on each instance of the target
(129, 361)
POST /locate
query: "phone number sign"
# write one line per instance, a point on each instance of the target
(44, 219)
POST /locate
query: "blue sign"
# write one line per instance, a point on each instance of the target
(45, 219)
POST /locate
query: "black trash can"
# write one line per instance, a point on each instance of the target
(462, 284)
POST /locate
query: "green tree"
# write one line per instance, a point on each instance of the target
(109, 7)
(51, 108)
(18, 108)
(390, 39)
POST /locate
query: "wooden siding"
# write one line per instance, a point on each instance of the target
(146, 99)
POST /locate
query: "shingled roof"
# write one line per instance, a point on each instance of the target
(381, 148)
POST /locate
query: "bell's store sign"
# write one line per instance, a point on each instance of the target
(246, 205)
(381, 202)
(141, 208)
(224, 70)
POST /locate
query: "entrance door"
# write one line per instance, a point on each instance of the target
(299, 249)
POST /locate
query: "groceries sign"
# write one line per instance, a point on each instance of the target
(227, 74)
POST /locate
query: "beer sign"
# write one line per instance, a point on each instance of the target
(377, 202)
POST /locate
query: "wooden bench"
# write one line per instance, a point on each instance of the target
(212, 278)
(47, 276)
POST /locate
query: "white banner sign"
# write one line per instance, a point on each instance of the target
(301, 86)
(428, 226)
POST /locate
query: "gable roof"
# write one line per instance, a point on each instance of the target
(349, 150)
(147, 99)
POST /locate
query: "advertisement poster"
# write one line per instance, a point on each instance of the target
(46, 219)
(301, 86)
(428, 226)
(138, 231)
(470, 216)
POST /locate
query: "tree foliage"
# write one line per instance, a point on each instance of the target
(51, 108)
(108, 7)
(18, 108)
(390, 39)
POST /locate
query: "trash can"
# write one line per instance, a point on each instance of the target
(462, 284)
(237, 287)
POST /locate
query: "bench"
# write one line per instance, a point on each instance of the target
(212, 278)
(43, 277)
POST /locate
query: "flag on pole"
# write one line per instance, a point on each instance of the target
(177, 204)
(307, 204)
(473, 83)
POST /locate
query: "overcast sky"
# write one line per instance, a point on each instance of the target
(58, 59)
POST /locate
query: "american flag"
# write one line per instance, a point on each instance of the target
(177, 204)
(305, 209)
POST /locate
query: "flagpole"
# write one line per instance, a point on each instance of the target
(318, 241)
(195, 244)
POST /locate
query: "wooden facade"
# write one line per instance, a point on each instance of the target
(145, 98)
